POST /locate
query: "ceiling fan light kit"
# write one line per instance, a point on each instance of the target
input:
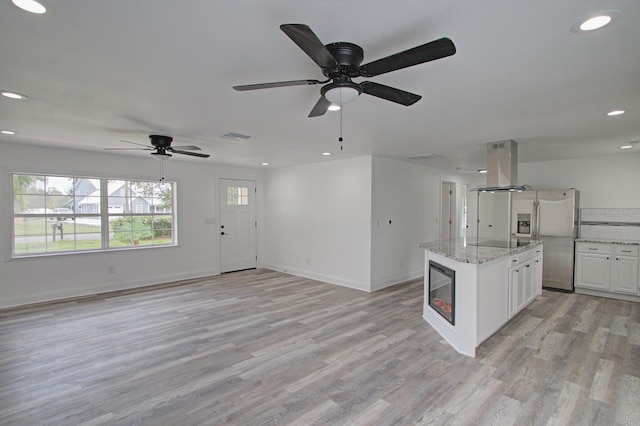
(340, 62)
(341, 93)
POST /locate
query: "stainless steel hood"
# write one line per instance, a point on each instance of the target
(502, 167)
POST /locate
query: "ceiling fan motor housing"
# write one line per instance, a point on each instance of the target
(348, 55)
(160, 141)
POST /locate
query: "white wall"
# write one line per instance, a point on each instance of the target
(408, 195)
(319, 221)
(29, 280)
(607, 181)
(330, 221)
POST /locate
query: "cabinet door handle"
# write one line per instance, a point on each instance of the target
(527, 265)
(537, 261)
(607, 258)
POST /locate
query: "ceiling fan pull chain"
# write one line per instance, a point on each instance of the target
(161, 170)
(340, 138)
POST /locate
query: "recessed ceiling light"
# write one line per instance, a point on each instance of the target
(334, 107)
(615, 112)
(482, 170)
(7, 132)
(628, 145)
(326, 153)
(13, 95)
(595, 22)
(30, 6)
(265, 164)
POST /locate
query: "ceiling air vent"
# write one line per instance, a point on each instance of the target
(426, 157)
(235, 137)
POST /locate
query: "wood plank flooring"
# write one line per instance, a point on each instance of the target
(262, 347)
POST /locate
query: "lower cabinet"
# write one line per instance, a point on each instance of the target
(609, 268)
(624, 274)
(525, 276)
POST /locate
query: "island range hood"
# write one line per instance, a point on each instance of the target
(502, 168)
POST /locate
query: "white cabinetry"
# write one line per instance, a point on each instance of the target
(624, 269)
(609, 270)
(525, 279)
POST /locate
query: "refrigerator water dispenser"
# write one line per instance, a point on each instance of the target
(524, 225)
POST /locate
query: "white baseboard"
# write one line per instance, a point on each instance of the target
(396, 279)
(68, 293)
(319, 277)
(379, 285)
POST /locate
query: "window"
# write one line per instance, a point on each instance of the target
(54, 214)
(237, 196)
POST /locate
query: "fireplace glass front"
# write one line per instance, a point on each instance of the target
(442, 290)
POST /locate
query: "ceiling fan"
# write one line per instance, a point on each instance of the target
(161, 147)
(340, 62)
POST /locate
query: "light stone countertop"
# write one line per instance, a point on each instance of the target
(466, 251)
(608, 241)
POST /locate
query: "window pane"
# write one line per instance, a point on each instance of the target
(232, 196)
(63, 214)
(162, 197)
(163, 230)
(88, 233)
(29, 234)
(61, 236)
(28, 184)
(28, 204)
(89, 205)
(120, 231)
(237, 196)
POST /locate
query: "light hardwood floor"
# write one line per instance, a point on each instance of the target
(262, 347)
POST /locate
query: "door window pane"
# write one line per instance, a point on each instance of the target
(237, 196)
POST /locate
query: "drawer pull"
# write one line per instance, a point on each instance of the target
(626, 251)
(593, 248)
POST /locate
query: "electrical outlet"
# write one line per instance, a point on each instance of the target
(111, 269)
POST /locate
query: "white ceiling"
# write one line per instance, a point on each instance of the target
(97, 72)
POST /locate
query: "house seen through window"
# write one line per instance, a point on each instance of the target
(54, 214)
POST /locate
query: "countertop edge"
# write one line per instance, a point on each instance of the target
(608, 241)
(481, 254)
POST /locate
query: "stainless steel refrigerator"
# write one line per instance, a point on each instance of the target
(550, 216)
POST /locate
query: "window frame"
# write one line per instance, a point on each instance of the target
(104, 244)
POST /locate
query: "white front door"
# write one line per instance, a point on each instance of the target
(237, 225)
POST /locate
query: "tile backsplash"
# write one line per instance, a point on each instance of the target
(614, 224)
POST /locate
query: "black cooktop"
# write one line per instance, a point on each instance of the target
(502, 243)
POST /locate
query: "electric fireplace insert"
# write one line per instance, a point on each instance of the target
(442, 290)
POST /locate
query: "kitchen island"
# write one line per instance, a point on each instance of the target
(472, 288)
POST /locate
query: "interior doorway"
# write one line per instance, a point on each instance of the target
(448, 228)
(238, 226)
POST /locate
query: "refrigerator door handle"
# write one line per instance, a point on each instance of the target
(536, 224)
